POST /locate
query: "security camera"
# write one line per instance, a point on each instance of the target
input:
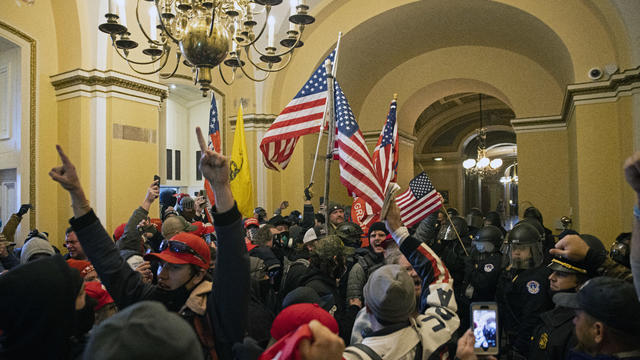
(595, 73)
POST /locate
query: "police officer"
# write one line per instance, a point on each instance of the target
(523, 289)
(474, 221)
(482, 269)
(555, 336)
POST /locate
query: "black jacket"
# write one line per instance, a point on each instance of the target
(522, 296)
(553, 339)
(227, 303)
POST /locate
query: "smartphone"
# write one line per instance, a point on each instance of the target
(484, 323)
(156, 178)
(321, 200)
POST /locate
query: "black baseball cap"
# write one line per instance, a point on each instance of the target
(610, 300)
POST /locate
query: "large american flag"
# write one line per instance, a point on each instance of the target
(303, 115)
(418, 201)
(214, 141)
(356, 168)
(385, 155)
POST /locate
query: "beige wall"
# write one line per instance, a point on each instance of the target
(543, 173)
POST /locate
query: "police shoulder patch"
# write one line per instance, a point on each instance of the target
(533, 287)
(544, 339)
(488, 267)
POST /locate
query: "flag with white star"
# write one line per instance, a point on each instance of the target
(418, 201)
(214, 142)
(385, 155)
(303, 115)
(356, 168)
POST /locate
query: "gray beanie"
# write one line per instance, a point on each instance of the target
(35, 246)
(390, 294)
(145, 330)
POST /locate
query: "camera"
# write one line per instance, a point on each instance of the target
(595, 73)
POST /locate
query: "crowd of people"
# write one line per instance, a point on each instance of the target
(205, 283)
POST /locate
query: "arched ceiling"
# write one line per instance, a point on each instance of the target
(406, 32)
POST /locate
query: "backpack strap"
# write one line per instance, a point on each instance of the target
(205, 335)
(365, 349)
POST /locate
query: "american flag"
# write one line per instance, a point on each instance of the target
(303, 115)
(214, 141)
(356, 168)
(385, 155)
(418, 201)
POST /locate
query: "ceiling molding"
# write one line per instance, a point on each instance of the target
(616, 86)
(98, 83)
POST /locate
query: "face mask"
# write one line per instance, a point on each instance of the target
(484, 246)
(174, 299)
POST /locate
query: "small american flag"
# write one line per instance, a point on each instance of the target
(214, 141)
(385, 155)
(356, 168)
(303, 115)
(418, 201)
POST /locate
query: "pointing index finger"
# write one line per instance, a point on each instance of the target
(63, 156)
(203, 144)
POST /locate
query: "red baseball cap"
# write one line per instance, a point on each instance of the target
(251, 221)
(295, 315)
(193, 242)
(83, 266)
(97, 291)
(119, 231)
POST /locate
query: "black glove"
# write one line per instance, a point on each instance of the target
(24, 208)
(308, 194)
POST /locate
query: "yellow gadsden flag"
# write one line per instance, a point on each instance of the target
(240, 175)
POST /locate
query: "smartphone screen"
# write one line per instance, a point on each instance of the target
(484, 320)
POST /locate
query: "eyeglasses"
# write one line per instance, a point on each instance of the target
(179, 247)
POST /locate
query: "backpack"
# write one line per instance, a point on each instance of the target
(287, 286)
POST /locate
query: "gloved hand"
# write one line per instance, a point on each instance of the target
(308, 193)
(24, 208)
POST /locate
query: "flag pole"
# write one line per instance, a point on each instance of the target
(330, 140)
(324, 116)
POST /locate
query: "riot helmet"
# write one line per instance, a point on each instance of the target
(533, 213)
(525, 248)
(620, 251)
(493, 218)
(536, 224)
(474, 218)
(460, 225)
(488, 239)
(453, 212)
(350, 234)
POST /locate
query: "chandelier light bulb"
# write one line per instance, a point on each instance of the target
(469, 163)
(496, 163)
(483, 163)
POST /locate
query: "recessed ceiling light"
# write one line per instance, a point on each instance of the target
(437, 159)
(172, 86)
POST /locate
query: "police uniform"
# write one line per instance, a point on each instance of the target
(522, 296)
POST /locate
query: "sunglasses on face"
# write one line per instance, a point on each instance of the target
(179, 247)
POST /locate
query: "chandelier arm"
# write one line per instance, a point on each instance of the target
(252, 78)
(178, 56)
(138, 62)
(268, 70)
(213, 20)
(155, 42)
(289, 50)
(166, 58)
(164, 28)
(264, 26)
(233, 77)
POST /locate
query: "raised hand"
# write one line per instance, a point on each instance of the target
(213, 165)
(571, 247)
(152, 193)
(67, 177)
(325, 345)
(215, 168)
(393, 220)
(66, 174)
(632, 172)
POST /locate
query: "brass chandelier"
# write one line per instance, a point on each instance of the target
(482, 165)
(209, 33)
